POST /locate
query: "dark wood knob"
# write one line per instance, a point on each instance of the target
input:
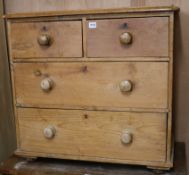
(49, 132)
(46, 84)
(126, 137)
(126, 38)
(125, 86)
(44, 40)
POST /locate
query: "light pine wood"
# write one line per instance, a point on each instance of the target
(84, 59)
(104, 40)
(170, 138)
(151, 165)
(92, 84)
(94, 134)
(66, 39)
(77, 81)
(60, 167)
(84, 21)
(141, 10)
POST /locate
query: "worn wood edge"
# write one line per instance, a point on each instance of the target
(160, 164)
(8, 167)
(12, 84)
(84, 33)
(91, 17)
(170, 91)
(92, 12)
(85, 59)
(86, 108)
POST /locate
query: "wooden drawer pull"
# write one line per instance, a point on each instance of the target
(44, 40)
(46, 84)
(126, 38)
(126, 86)
(126, 137)
(49, 132)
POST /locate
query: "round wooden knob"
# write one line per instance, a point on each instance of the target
(126, 137)
(44, 40)
(49, 132)
(126, 38)
(126, 86)
(46, 84)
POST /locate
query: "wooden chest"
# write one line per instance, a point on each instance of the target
(94, 85)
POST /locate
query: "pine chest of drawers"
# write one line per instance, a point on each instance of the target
(94, 85)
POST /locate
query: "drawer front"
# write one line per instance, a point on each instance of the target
(141, 37)
(46, 39)
(92, 84)
(93, 135)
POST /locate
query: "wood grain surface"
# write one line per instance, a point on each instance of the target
(181, 86)
(66, 39)
(87, 134)
(92, 84)
(22, 166)
(104, 40)
(96, 85)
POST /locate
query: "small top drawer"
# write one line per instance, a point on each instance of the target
(46, 39)
(143, 37)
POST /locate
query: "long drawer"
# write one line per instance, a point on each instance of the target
(93, 135)
(93, 84)
(46, 39)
